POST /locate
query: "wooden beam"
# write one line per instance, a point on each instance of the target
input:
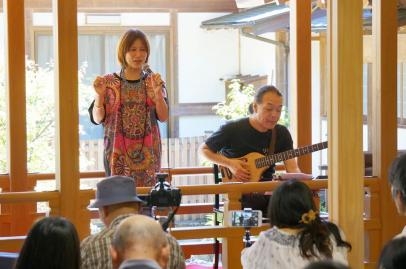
(67, 114)
(345, 156)
(281, 63)
(131, 5)
(300, 77)
(384, 112)
(323, 75)
(16, 122)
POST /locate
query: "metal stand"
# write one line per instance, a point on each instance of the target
(216, 246)
(247, 239)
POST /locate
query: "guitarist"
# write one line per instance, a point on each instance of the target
(252, 134)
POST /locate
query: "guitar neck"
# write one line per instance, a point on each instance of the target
(290, 154)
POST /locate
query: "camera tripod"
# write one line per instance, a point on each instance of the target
(247, 239)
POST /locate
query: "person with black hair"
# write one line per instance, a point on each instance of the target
(298, 235)
(393, 255)
(260, 132)
(52, 243)
(397, 181)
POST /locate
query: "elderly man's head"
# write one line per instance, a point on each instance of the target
(140, 238)
(397, 180)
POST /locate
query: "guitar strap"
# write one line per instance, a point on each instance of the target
(273, 142)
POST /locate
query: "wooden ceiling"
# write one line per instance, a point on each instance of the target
(150, 5)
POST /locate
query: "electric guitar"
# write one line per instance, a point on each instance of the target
(258, 163)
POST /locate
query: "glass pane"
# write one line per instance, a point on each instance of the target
(110, 50)
(44, 49)
(91, 55)
(40, 96)
(144, 19)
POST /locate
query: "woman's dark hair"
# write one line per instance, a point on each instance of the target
(263, 90)
(52, 243)
(126, 41)
(393, 255)
(289, 202)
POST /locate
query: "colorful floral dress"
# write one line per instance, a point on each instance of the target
(132, 142)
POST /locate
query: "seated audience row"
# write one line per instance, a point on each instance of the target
(116, 200)
(298, 237)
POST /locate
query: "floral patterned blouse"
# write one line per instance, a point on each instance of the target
(132, 142)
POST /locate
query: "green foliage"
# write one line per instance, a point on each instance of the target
(238, 100)
(40, 106)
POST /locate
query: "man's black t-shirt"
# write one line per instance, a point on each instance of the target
(238, 138)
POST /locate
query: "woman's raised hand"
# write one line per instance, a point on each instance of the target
(154, 87)
(99, 85)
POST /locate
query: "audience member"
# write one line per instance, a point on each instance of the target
(393, 255)
(139, 243)
(397, 180)
(52, 243)
(298, 236)
(116, 199)
(327, 264)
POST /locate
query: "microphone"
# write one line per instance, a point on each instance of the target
(147, 70)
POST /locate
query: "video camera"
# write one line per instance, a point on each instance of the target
(162, 195)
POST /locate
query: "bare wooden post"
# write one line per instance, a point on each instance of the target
(345, 156)
(300, 76)
(67, 131)
(231, 257)
(16, 122)
(384, 113)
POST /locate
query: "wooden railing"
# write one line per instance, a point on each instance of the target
(232, 236)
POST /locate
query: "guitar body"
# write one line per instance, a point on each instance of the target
(258, 163)
(249, 159)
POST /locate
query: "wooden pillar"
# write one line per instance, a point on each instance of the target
(345, 156)
(300, 77)
(323, 75)
(282, 64)
(16, 108)
(384, 113)
(230, 257)
(67, 131)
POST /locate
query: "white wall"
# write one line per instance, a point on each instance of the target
(258, 57)
(208, 57)
(205, 57)
(206, 125)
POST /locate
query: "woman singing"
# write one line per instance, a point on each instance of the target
(128, 104)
